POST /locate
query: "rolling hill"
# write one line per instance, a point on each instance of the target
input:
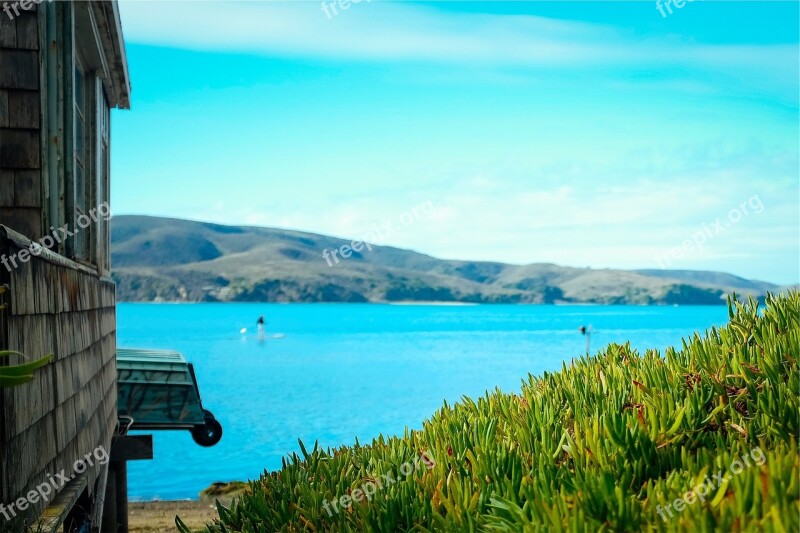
(162, 259)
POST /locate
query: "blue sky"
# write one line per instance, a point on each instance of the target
(580, 133)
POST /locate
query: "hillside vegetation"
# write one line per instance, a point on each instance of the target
(159, 259)
(612, 442)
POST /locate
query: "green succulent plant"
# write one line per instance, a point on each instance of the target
(605, 444)
(14, 375)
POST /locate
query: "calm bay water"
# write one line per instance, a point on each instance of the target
(343, 371)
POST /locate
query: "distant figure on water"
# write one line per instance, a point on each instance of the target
(260, 323)
(587, 332)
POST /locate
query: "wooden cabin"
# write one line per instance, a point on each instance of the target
(62, 69)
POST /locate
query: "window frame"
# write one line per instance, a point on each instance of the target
(87, 171)
(80, 187)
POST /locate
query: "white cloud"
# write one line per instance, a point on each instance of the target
(389, 31)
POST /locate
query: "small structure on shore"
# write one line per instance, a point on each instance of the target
(157, 390)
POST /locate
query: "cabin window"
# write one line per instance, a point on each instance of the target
(86, 159)
(81, 160)
(103, 173)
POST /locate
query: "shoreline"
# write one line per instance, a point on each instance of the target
(435, 303)
(159, 516)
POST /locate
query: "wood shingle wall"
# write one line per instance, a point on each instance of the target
(20, 124)
(52, 304)
(70, 408)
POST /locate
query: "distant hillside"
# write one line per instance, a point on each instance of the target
(161, 259)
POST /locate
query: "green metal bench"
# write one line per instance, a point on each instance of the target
(157, 389)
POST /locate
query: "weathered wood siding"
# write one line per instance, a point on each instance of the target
(70, 408)
(20, 124)
(52, 305)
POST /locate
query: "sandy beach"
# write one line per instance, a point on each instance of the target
(158, 517)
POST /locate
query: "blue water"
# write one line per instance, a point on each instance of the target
(346, 371)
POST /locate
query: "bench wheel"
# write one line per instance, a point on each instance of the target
(209, 433)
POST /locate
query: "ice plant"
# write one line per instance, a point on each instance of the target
(613, 441)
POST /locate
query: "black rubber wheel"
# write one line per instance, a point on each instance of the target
(209, 433)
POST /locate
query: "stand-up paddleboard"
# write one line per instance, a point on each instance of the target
(243, 331)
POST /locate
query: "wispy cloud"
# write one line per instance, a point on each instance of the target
(405, 32)
(617, 215)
